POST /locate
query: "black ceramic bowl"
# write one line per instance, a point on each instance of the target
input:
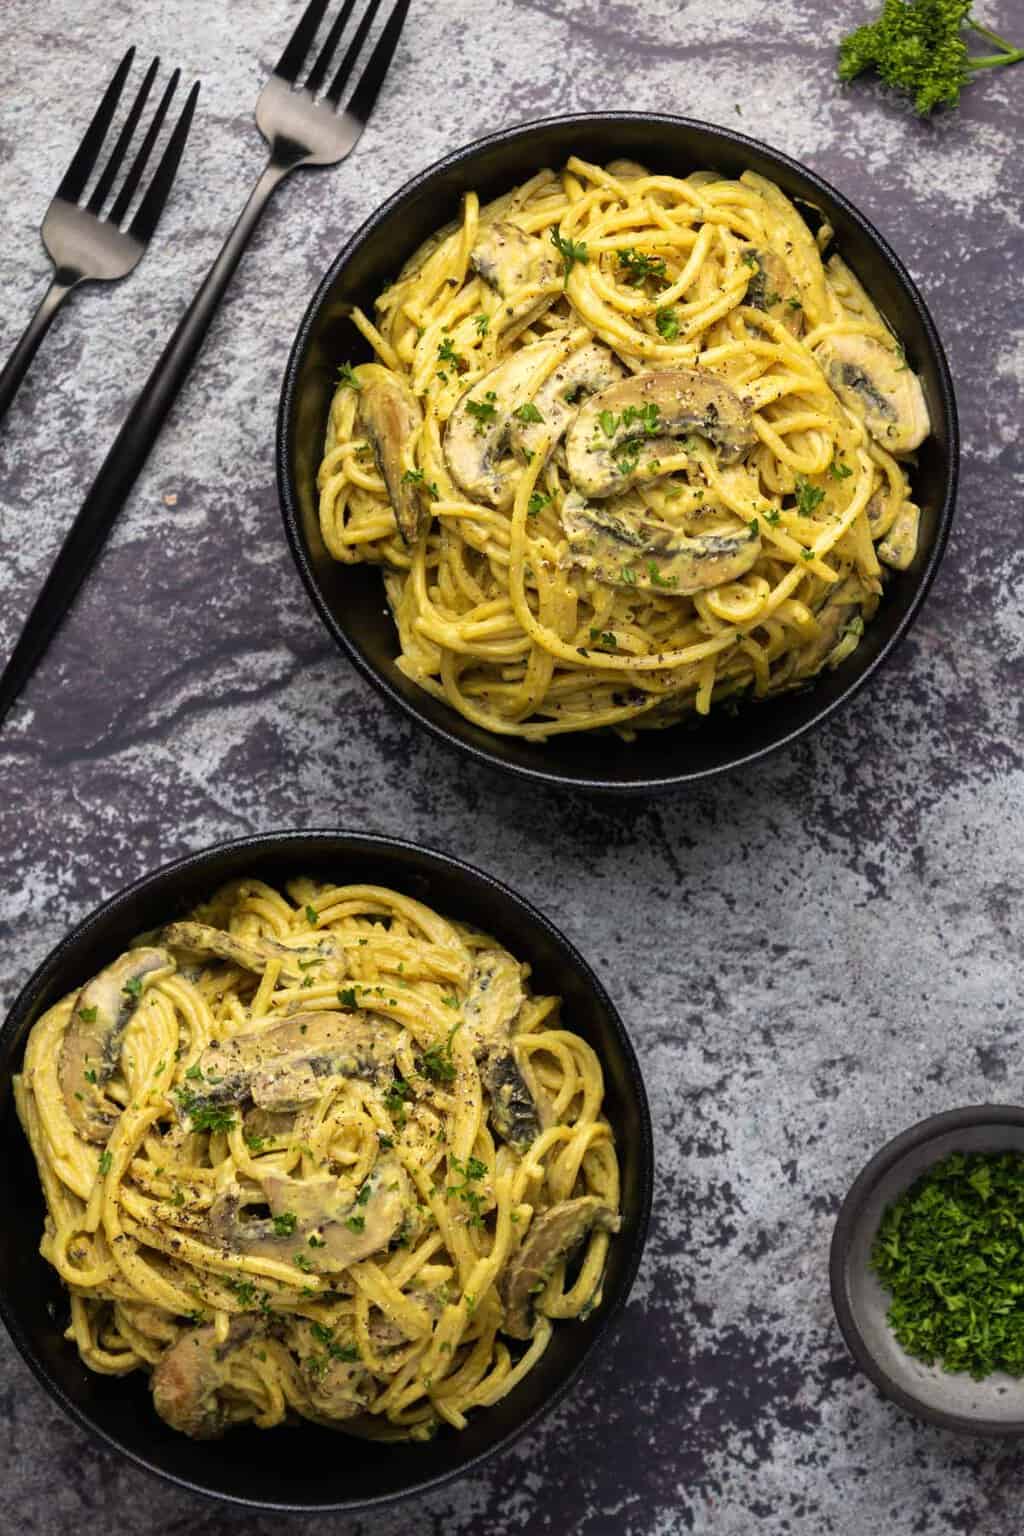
(350, 599)
(309, 1468)
(994, 1406)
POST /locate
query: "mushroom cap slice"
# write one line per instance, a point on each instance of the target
(347, 1225)
(634, 550)
(188, 1378)
(796, 245)
(514, 263)
(489, 1013)
(92, 1041)
(773, 290)
(283, 1067)
(297, 960)
(392, 419)
(584, 372)
(878, 386)
(477, 433)
(649, 410)
(552, 1238)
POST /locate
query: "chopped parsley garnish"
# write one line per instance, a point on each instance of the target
(750, 257)
(90, 1075)
(256, 1143)
(347, 377)
(609, 421)
(347, 997)
(808, 497)
(133, 986)
(317, 1242)
(657, 579)
(606, 637)
(311, 916)
(355, 1223)
(483, 411)
(481, 322)
(950, 1251)
(205, 1117)
(413, 477)
(628, 457)
(471, 1172)
(628, 575)
(105, 1161)
(537, 502)
(436, 1061)
(301, 1261)
(772, 517)
(194, 1072)
(527, 412)
(639, 267)
(667, 322)
(384, 1142)
(571, 252)
(394, 1100)
(839, 471)
(807, 554)
(284, 1225)
(88, 1015)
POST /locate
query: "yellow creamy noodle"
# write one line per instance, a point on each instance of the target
(517, 617)
(282, 1186)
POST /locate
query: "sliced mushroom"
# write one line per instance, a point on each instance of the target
(322, 1218)
(489, 1014)
(899, 546)
(338, 1386)
(509, 260)
(92, 1041)
(843, 604)
(584, 372)
(632, 549)
(618, 432)
(772, 290)
(552, 1239)
(796, 245)
(297, 960)
(878, 386)
(187, 1380)
(392, 420)
(477, 434)
(627, 170)
(283, 1067)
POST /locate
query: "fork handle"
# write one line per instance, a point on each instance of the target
(17, 364)
(121, 467)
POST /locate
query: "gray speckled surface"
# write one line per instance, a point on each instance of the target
(810, 955)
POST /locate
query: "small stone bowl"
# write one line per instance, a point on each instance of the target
(994, 1406)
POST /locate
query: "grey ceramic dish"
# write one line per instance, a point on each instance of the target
(994, 1406)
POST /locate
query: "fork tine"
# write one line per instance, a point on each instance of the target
(294, 56)
(367, 90)
(152, 205)
(355, 47)
(80, 169)
(134, 176)
(324, 57)
(124, 138)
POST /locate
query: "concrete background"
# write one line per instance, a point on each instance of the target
(810, 955)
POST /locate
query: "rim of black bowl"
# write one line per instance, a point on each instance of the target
(37, 982)
(451, 734)
(842, 1237)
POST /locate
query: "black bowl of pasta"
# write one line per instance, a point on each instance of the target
(625, 473)
(322, 1152)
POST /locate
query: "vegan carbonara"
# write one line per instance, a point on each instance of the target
(630, 446)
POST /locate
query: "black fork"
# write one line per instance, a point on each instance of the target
(84, 243)
(303, 125)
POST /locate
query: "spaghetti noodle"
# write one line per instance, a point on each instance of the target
(630, 447)
(319, 1153)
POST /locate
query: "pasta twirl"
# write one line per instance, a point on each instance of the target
(319, 1153)
(631, 446)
